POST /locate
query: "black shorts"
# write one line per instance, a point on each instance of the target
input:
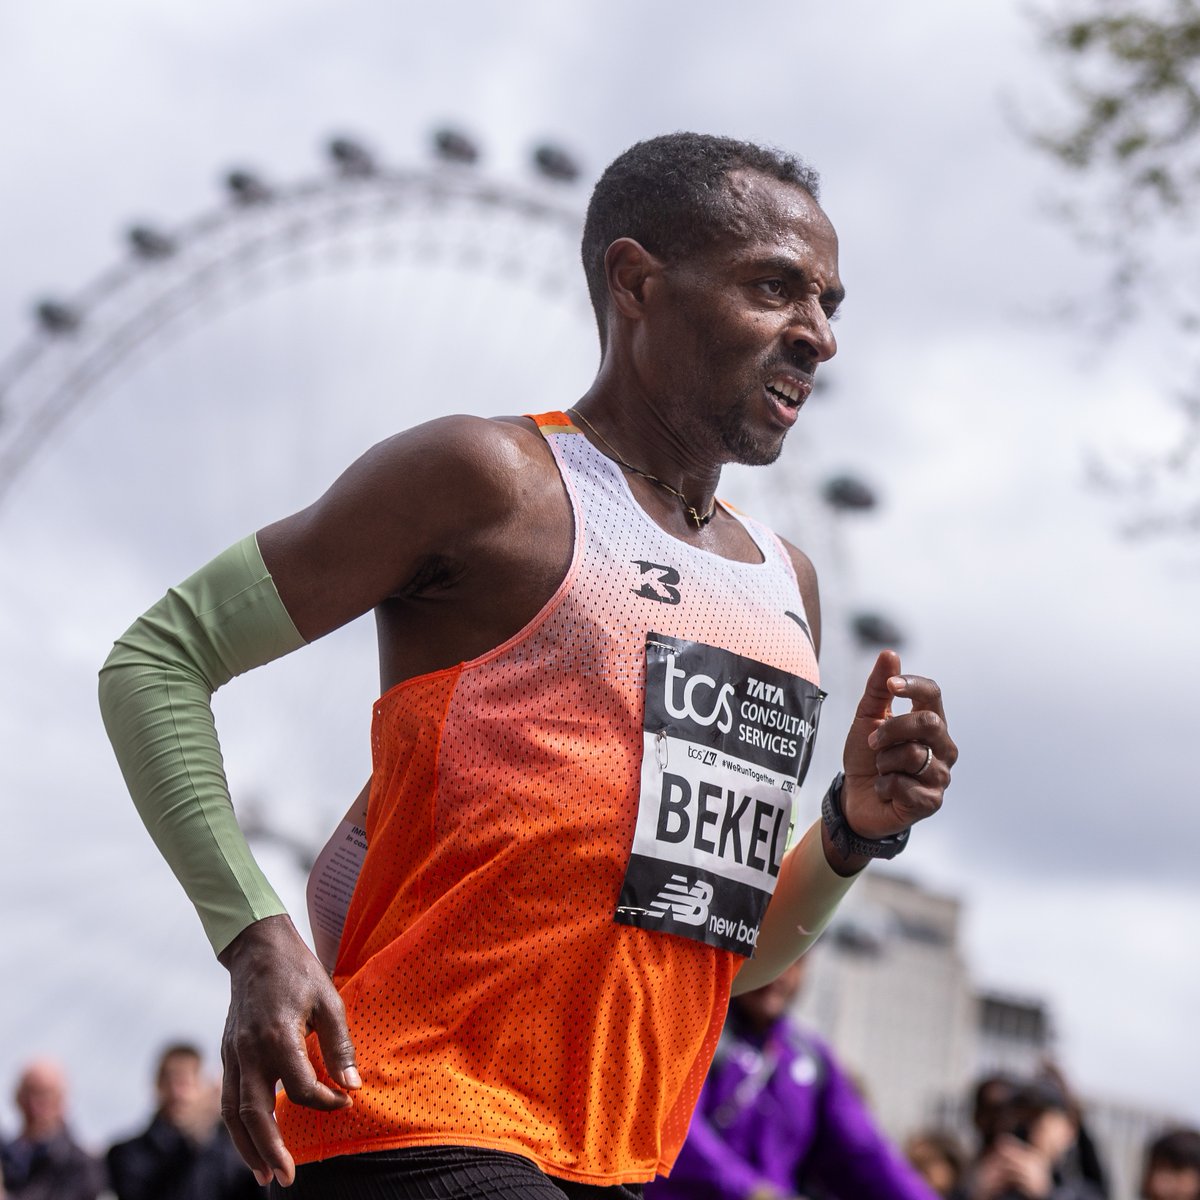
(438, 1173)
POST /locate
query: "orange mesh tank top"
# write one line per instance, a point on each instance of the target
(493, 998)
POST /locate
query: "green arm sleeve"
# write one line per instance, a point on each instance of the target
(155, 696)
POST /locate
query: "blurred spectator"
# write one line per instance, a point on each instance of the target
(778, 1118)
(185, 1152)
(939, 1159)
(990, 1106)
(1029, 1135)
(44, 1162)
(1083, 1159)
(1172, 1170)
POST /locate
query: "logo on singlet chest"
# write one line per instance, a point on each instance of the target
(657, 583)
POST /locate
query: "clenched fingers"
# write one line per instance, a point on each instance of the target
(923, 726)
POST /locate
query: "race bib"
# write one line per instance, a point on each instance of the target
(726, 741)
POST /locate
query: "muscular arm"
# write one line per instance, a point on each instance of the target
(155, 696)
(455, 532)
(385, 525)
(416, 528)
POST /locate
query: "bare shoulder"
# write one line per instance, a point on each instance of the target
(806, 573)
(435, 478)
(445, 491)
(806, 577)
(503, 442)
(459, 451)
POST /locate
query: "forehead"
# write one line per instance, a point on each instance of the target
(42, 1081)
(772, 218)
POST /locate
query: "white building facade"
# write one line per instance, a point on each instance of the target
(889, 989)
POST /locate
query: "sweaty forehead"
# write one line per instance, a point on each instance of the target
(760, 208)
(767, 218)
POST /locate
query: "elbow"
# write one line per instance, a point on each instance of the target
(108, 682)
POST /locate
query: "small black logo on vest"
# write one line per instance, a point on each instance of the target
(787, 612)
(660, 585)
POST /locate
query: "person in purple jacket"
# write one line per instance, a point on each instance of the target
(778, 1118)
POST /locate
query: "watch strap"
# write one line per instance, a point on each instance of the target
(845, 840)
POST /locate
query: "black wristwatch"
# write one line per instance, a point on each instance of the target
(844, 839)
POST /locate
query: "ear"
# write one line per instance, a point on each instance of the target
(629, 268)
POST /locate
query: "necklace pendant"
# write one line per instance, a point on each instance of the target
(691, 513)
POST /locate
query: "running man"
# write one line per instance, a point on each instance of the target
(599, 693)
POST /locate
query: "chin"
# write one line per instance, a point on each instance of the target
(746, 446)
(750, 451)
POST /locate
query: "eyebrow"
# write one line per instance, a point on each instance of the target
(787, 268)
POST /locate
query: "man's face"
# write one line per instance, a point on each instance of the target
(1164, 1182)
(42, 1099)
(180, 1087)
(733, 348)
(765, 1005)
(992, 1108)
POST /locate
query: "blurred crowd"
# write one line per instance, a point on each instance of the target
(1032, 1143)
(778, 1119)
(183, 1153)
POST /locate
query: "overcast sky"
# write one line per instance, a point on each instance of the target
(1070, 829)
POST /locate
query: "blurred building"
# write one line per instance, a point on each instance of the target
(889, 989)
(1013, 1035)
(1122, 1131)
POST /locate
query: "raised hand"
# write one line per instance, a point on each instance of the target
(897, 765)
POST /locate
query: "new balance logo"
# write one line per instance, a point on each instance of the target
(660, 585)
(688, 906)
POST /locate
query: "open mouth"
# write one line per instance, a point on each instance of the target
(788, 393)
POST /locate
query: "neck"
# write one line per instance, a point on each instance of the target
(639, 433)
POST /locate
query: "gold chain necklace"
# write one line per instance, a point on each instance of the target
(698, 519)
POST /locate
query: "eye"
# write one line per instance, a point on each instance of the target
(773, 287)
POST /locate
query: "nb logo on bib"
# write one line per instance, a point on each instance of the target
(688, 906)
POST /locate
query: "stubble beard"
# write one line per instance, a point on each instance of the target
(740, 444)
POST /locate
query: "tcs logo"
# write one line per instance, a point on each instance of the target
(697, 698)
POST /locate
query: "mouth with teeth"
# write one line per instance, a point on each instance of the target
(788, 394)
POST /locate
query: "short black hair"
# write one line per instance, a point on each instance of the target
(993, 1091)
(668, 194)
(1177, 1149)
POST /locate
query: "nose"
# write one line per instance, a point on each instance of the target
(811, 334)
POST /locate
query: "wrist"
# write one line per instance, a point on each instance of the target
(852, 850)
(841, 864)
(261, 937)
